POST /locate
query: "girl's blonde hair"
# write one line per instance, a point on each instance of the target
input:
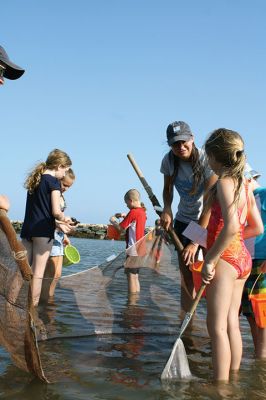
(133, 194)
(55, 159)
(70, 174)
(227, 148)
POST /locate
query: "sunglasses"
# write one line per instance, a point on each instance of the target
(2, 71)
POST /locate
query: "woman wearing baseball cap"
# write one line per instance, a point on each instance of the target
(184, 167)
(12, 71)
(8, 69)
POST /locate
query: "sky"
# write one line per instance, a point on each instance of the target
(104, 78)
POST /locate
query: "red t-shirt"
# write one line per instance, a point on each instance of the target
(134, 224)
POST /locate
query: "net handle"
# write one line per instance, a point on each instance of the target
(155, 202)
(18, 250)
(255, 284)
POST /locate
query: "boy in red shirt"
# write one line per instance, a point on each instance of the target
(134, 226)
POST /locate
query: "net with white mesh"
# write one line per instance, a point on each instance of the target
(90, 303)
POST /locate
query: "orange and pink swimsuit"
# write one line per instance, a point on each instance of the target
(236, 253)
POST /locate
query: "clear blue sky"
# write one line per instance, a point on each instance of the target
(105, 77)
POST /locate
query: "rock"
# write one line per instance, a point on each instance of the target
(89, 231)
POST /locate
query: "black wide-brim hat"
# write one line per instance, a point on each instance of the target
(12, 70)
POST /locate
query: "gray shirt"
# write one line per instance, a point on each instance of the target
(190, 205)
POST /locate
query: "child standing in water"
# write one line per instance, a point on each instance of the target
(258, 251)
(234, 217)
(53, 270)
(42, 209)
(134, 225)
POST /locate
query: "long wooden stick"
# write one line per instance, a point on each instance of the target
(155, 202)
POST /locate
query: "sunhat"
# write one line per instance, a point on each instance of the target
(12, 70)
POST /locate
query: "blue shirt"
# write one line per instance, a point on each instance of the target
(260, 241)
(190, 205)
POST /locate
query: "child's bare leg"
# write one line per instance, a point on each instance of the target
(133, 282)
(261, 343)
(28, 246)
(233, 329)
(41, 251)
(253, 328)
(219, 296)
(57, 267)
(259, 338)
(53, 272)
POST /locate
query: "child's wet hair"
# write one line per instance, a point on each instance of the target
(227, 148)
(70, 174)
(55, 159)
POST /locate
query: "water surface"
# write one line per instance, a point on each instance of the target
(128, 366)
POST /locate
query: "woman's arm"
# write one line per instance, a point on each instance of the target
(168, 194)
(190, 250)
(205, 215)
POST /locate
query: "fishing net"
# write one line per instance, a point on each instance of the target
(89, 304)
(17, 332)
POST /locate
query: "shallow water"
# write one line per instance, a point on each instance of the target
(129, 366)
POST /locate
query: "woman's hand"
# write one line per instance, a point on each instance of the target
(207, 272)
(188, 254)
(166, 219)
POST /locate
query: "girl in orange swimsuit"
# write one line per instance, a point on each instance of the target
(236, 254)
(233, 218)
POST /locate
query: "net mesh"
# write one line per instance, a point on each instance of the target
(88, 303)
(17, 332)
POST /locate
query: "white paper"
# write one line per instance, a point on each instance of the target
(196, 233)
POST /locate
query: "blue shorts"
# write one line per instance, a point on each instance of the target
(58, 247)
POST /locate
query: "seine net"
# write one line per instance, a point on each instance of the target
(88, 304)
(17, 332)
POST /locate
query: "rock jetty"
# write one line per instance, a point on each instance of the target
(87, 231)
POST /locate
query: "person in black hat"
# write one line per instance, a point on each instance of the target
(186, 169)
(12, 71)
(8, 69)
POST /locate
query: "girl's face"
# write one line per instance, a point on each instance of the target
(183, 149)
(61, 172)
(66, 183)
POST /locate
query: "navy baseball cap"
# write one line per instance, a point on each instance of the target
(12, 70)
(178, 131)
